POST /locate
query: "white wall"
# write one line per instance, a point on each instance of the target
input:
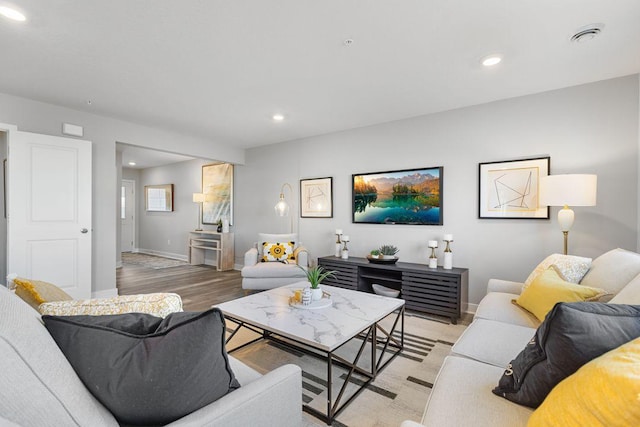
(585, 129)
(3, 220)
(166, 233)
(104, 132)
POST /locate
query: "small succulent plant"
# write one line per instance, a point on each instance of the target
(315, 275)
(389, 250)
(375, 253)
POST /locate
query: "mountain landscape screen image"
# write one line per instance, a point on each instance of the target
(412, 196)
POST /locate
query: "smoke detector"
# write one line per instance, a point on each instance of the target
(586, 33)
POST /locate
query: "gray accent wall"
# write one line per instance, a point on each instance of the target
(591, 128)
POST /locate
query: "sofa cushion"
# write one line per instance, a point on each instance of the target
(147, 370)
(604, 392)
(569, 267)
(36, 292)
(548, 289)
(630, 294)
(498, 306)
(38, 387)
(461, 397)
(611, 271)
(495, 343)
(571, 335)
(273, 269)
(158, 304)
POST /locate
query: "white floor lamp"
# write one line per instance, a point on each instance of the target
(568, 190)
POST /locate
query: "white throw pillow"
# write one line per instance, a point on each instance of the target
(570, 268)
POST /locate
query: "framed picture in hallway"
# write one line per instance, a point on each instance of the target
(217, 186)
(510, 189)
(316, 198)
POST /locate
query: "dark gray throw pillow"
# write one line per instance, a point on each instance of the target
(571, 335)
(147, 370)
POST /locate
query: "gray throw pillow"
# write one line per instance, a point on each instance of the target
(571, 335)
(147, 370)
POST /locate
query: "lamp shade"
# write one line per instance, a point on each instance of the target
(282, 207)
(568, 190)
(198, 197)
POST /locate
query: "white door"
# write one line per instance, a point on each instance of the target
(127, 215)
(49, 216)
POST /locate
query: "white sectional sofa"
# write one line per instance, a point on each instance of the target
(461, 394)
(38, 387)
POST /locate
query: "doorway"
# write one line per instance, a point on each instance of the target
(128, 215)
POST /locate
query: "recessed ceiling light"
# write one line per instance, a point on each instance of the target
(491, 60)
(7, 12)
(132, 163)
(278, 117)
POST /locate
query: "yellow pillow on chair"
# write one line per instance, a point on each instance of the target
(548, 289)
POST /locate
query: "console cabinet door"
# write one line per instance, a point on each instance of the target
(432, 293)
(346, 275)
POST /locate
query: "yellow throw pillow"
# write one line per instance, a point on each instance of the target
(158, 304)
(548, 289)
(36, 292)
(277, 251)
(604, 392)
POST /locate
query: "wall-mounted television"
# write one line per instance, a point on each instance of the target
(410, 196)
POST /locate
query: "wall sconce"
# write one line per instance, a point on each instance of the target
(568, 190)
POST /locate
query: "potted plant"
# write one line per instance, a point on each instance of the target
(315, 276)
(375, 253)
(388, 251)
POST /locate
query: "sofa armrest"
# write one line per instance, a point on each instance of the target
(251, 257)
(273, 400)
(302, 256)
(505, 286)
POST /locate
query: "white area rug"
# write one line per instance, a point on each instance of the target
(150, 261)
(399, 392)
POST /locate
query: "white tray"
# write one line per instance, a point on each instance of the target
(315, 305)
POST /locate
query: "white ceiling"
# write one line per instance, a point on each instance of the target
(221, 69)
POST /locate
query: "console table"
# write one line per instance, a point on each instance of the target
(219, 245)
(428, 290)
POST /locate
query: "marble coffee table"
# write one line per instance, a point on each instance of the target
(321, 332)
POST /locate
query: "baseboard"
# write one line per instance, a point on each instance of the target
(107, 293)
(470, 308)
(179, 257)
(119, 264)
(237, 267)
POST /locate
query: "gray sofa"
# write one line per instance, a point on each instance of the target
(38, 387)
(461, 395)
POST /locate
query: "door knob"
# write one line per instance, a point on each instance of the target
(84, 231)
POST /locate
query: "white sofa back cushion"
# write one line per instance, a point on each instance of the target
(612, 270)
(630, 294)
(38, 386)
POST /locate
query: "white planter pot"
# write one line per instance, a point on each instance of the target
(388, 256)
(316, 294)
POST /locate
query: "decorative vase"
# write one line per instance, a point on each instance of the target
(433, 259)
(219, 229)
(316, 294)
(306, 296)
(448, 257)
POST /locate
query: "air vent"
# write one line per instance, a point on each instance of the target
(587, 33)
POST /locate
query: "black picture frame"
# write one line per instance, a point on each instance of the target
(508, 189)
(415, 202)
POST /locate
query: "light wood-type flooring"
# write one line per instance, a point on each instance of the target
(199, 286)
